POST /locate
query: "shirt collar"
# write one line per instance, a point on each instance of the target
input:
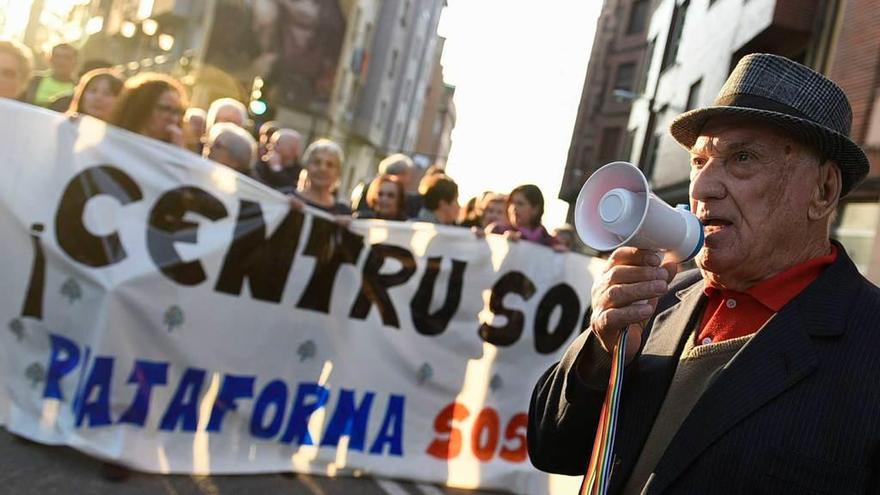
(778, 290)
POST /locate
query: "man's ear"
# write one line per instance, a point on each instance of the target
(826, 192)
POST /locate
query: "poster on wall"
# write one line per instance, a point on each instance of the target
(292, 45)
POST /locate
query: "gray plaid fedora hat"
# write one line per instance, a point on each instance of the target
(791, 97)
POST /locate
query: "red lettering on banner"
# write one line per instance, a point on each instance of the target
(516, 430)
(485, 435)
(486, 426)
(450, 447)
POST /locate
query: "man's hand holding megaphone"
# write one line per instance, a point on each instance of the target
(616, 210)
(626, 294)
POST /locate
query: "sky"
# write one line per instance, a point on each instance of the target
(518, 67)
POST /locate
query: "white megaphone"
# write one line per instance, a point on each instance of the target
(617, 208)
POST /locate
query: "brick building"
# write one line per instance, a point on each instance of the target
(616, 67)
(854, 63)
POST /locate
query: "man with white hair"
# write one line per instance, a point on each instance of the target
(232, 146)
(227, 110)
(280, 167)
(194, 125)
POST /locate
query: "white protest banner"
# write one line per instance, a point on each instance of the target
(169, 314)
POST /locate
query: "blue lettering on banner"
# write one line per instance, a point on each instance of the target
(184, 405)
(349, 420)
(298, 425)
(63, 359)
(273, 394)
(145, 374)
(233, 388)
(97, 383)
(394, 422)
(93, 388)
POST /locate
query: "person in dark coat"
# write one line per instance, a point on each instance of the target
(758, 371)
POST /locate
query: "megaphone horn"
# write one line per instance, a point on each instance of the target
(617, 208)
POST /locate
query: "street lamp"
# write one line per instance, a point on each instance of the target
(150, 26)
(166, 42)
(127, 29)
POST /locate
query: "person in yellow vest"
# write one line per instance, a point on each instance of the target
(59, 81)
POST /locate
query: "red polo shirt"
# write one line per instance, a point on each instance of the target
(730, 314)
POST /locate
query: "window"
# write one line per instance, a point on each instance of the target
(625, 76)
(856, 229)
(676, 27)
(628, 145)
(638, 16)
(608, 146)
(393, 68)
(383, 107)
(651, 158)
(694, 95)
(405, 13)
(649, 55)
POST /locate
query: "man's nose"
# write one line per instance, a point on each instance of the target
(708, 182)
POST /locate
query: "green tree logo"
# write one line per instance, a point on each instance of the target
(16, 326)
(496, 383)
(173, 317)
(306, 350)
(35, 373)
(71, 290)
(424, 374)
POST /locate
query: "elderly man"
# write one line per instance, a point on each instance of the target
(194, 127)
(15, 68)
(758, 372)
(232, 146)
(226, 110)
(280, 167)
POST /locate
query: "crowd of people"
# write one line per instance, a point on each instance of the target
(156, 106)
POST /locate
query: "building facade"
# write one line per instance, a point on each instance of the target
(695, 48)
(615, 72)
(389, 105)
(697, 43)
(854, 63)
(438, 119)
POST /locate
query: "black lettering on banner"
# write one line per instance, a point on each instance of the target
(264, 262)
(510, 283)
(375, 285)
(427, 323)
(33, 301)
(566, 298)
(167, 226)
(331, 245)
(72, 235)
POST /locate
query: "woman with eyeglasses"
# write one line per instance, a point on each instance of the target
(96, 94)
(152, 105)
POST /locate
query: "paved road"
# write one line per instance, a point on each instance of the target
(29, 468)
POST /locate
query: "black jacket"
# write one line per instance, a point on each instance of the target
(796, 411)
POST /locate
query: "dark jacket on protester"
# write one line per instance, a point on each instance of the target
(797, 410)
(284, 180)
(338, 208)
(372, 215)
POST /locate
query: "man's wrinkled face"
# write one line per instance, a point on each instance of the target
(751, 187)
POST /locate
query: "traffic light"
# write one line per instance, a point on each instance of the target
(259, 105)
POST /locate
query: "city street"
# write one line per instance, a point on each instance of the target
(30, 468)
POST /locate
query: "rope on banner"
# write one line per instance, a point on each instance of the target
(599, 471)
